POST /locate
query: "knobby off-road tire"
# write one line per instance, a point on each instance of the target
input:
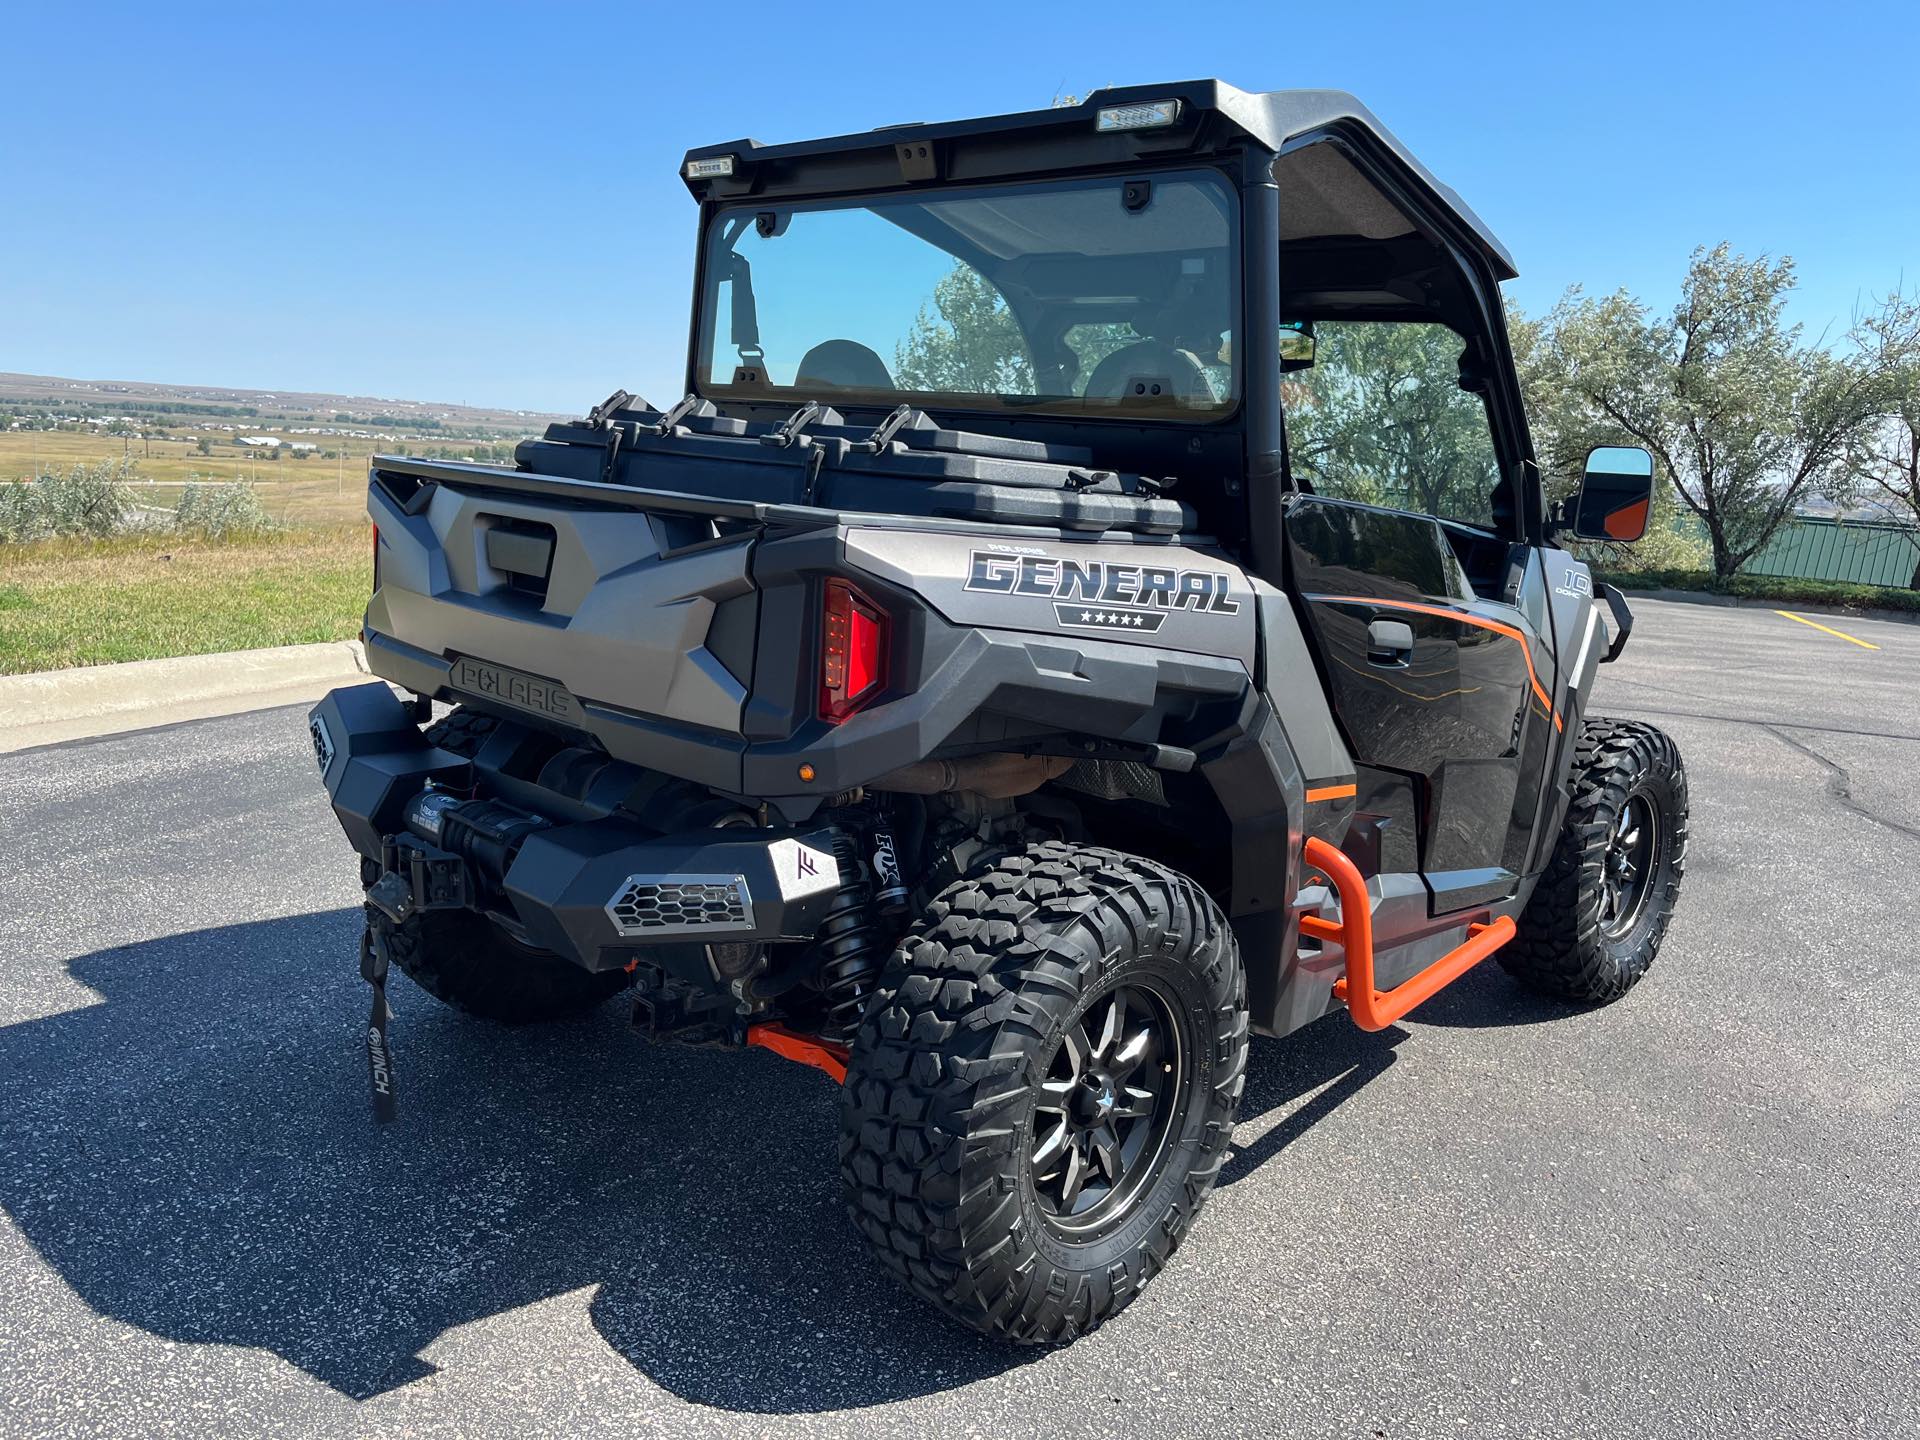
(1019, 1004)
(464, 960)
(1596, 919)
(461, 731)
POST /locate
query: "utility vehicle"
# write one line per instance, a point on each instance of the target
(1095, 602)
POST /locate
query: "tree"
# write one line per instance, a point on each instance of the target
(203, 446)
(1745, 419)
(1885, 455)
(968, 343)
(1381, 417)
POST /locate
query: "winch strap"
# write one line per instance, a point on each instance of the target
(380, 1073)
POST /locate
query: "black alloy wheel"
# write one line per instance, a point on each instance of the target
(1104, 1111)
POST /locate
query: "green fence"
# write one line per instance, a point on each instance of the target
(1866, 553)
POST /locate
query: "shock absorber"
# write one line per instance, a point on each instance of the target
(851, 947)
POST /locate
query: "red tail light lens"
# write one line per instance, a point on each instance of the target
(376, 557)
(853, 654)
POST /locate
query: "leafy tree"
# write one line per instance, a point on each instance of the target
(1381, 417)
(1744, 418)
(1885, 455)
(203, 446)
(967, 343)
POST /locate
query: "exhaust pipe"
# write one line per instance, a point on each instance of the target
(997, 777)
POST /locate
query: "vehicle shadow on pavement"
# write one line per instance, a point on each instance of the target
(1331, 1058)
(194, 1155)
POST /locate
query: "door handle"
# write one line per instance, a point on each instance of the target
(1389, 642)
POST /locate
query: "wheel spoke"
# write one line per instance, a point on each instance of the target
(1050, 1151)
(1054, 1095)
(1075, 1177)
(1631, 838)
(1131, 1052)
(1078, 1048)
(1106, 1149)
(1133, 1103)
(1116, 1022)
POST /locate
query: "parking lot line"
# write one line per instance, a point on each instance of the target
(1863, 644)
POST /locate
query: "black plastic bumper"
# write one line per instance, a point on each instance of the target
(594, 892)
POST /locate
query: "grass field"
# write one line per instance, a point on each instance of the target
(77, 602)
(315, 491)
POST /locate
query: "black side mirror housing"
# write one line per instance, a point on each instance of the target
(1615, 494)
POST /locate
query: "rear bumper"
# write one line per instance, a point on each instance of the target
(595, 891)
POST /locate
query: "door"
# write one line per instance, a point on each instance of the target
(1427, 623)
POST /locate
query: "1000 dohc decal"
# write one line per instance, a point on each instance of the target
(1102, 595)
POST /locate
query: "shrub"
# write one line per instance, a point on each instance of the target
(220, 510)
(91, 500)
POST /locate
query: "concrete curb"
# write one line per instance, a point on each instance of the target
(50, 706)
(1748, 602)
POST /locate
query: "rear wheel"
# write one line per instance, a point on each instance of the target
(1037, 1109)
(461, 731)
(469, 962)
(1595, 920)
(464, 959)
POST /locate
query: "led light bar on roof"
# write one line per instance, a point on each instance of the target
(708, 169)
(1150, 116)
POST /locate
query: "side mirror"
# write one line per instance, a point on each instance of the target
(1615, 494)
(1296, 345)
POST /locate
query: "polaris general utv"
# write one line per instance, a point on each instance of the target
(1096, 601)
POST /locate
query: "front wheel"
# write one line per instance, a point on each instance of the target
(1597, 916)
(1038, 1108)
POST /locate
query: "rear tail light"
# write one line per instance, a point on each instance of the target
(376, 557)
(853, 653)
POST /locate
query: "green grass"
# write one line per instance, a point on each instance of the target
(1783, 589)
(79, 602)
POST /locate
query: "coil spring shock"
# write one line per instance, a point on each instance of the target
(850, 949)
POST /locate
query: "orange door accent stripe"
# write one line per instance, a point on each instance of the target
(1353, 932)
(1332, 792)
(1465, 617)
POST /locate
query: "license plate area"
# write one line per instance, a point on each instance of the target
(530, 694)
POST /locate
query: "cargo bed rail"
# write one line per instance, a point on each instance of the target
(464, 475)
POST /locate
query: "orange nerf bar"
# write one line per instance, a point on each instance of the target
(1375, 1009)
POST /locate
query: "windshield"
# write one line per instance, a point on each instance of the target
(1112, 296)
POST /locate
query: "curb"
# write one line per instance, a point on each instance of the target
(51, 706)
(1751, 602)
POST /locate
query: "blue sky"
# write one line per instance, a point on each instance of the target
(480, 203)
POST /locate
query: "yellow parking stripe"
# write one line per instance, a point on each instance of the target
(1863, 644)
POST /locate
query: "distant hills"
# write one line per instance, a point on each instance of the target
(155, 402)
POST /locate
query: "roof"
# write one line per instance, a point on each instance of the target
(1274, 119)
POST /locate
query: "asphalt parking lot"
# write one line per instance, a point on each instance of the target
(1695, 1211)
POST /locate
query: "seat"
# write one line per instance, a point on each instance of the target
(844, 364)
(1135, 369)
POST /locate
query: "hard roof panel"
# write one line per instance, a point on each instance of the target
(1272, 118)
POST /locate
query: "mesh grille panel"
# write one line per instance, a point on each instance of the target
(662, 904)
